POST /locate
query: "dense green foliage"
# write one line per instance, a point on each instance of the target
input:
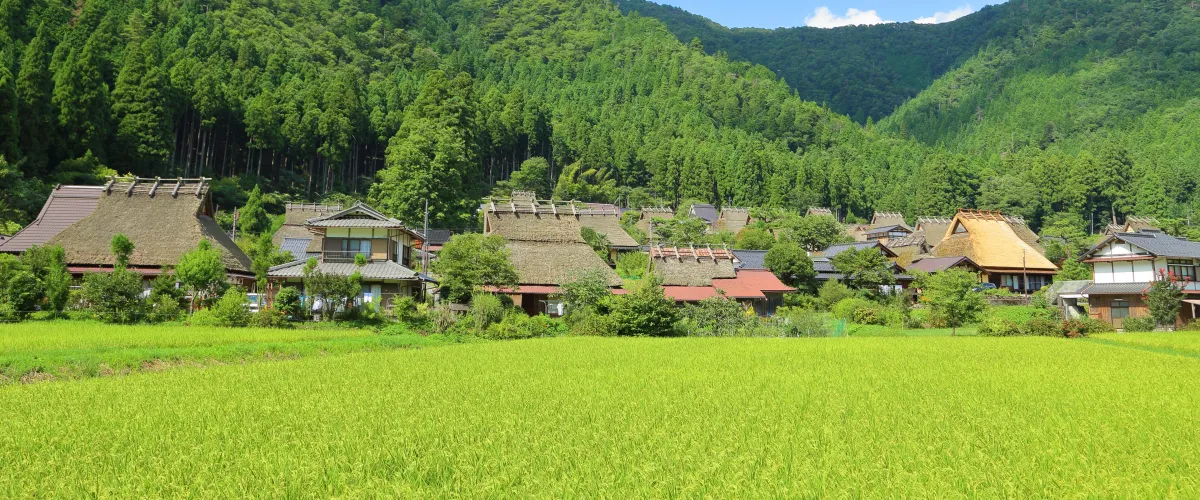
(470, 261)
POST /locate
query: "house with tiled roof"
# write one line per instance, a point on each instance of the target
(693, 274)
(1001, 247)
(823, 262)
(339, 237)
(163, 218)
(648, 214)
(1124, 265)
(1133, 224)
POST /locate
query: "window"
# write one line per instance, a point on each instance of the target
(1184, 269)
(1120, 309)
(357, 246)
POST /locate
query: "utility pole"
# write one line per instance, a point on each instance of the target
(1024, 273)
(425, 244)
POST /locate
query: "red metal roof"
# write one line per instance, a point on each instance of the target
(526, 290)
(65, 206)
(689, 293)
(750, 284)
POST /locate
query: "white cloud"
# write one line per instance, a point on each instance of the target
(824, 18)
(945, 17)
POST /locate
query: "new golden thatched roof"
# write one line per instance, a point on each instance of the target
(610, 227)
(550, 263)
(989, 239)
(162, 228)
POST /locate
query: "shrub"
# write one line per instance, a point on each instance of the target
(231, 309)
(800, 323)
(1039, 327)
(715, 317)
(441, 318)
(163, 308)
(269, 317)
(645, 311)
(916, 318)
(486, 309)
(832, 292)
(1084, 326)
(405, 309)
(518, 325)
(993, 326)
(287, 302)
(592, 324)
(115, 297)
(1146, 324)
(203, 317)
(849, 309)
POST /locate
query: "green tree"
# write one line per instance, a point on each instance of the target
(202, 272)
(790, 263)
(534, 175)
(35, 85)
(951, 297)
(813, 233)
(1112, 175)
(867, 269)
(1164, 299)
(138, 108)
(19, 292)
(632, 265)
(81, 97)
(469, 261)
(679, 231)
(121, 248)
(115, 297)
(585, 293)
(252, 218)
(1072, 269)
(644, 311)
(754, 239)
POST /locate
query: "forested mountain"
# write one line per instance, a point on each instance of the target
(435, 100)
(1040, 110)
(860, 71)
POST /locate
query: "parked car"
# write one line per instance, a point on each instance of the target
(984, 287)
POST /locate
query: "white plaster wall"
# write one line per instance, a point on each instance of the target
(1103, 272)
(1143, 270)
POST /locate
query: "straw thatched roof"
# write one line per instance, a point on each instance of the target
(692, 271)
(820, 211)
(888, 219)
(610, 227)
(162, 227)
(733, 219)
(990, 240)
(1025, 233)
(541, 227)
(934, 228)
(294, 218)
(555, 263)
(651, 213)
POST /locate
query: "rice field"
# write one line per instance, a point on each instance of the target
(74, 349)
(571, 417)
(1183, 343)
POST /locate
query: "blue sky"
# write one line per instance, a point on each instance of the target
(826, 13)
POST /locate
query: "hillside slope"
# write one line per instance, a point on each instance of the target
(860, 71)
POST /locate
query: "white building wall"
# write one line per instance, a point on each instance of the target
(1123, 272)
(1102, 272)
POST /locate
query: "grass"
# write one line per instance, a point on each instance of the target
(74, 349)
(1184, 343)
(886, 331)
(572, 417)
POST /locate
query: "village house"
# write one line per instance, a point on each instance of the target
(933, 229)
(547, 249)
(336, 239)
(163, 218)
(1004, 248)
(650, 213)
(823, 264)
(1124, 265)
(934, 265)
(1133, 224)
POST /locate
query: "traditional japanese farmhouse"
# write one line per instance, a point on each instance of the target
(1124, 265)
(164, 218)
(338, 238)
(1132, 224)
(1004, 248)
(733, 220)
(650, 213)
(546, 248)
(692, 274)
(933, 229)
(823, 263)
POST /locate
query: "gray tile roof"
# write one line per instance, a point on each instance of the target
(858, 245)
(437, 236)
(380, 270)
(1157, 243)
(374, 218)
(298, 247)
(751, 259)
(1116, 288)
(705, 212)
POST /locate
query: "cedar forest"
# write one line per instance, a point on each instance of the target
(1069, 113)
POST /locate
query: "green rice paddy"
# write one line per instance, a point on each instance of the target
(571, 417)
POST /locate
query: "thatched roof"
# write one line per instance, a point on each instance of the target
(540, 227)
(1027, 235)
(294, 217)
(820, 211)
(888, 219)
(692, 271)
(733, 220)
(610, 227)
(162, 228)
(934, 228)
(989, 239)
(555, 263)
(651, 213)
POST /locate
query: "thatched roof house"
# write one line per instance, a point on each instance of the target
(733, 220)
(163, 219)
(651, 213)
(610, 227)
(1133, 224)
(820, 211)
(881, 219)
(994, 243)
(294, 226)
(933, 228)
(688, 273)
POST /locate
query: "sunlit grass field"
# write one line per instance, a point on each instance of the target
(71, 349)
(571, 417)
(1186, 343)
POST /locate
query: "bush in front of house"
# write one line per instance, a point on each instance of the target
(269, 317)
(857, 309)
(231, 310)
(518, 325)
(287, 301)
(793, 322)
(992, 326)
(1146, 324)
(1085, 326)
